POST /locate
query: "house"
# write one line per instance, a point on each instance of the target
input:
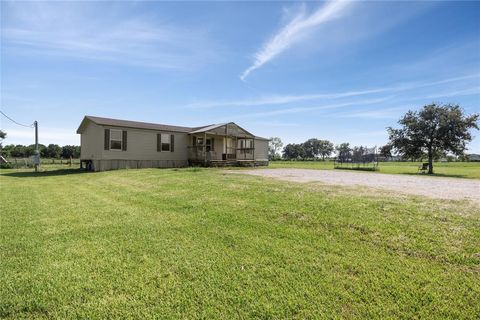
(108, 144)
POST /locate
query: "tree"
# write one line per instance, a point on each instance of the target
(70, 151)
(311, 148)
(54, 151)
(274, 147)
(18, 151)
(315, 148)
(344, 152)
(293, 151)
(3, 135)
(434, 130)
(386, 150)
(325, 148)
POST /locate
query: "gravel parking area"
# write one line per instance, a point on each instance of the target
(434, 187)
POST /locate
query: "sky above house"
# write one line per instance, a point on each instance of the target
(339, 70)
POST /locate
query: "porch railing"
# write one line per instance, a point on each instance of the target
(199, 153)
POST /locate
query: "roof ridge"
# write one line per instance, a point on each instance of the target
(142, 122)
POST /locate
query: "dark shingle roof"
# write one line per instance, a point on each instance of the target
(147, 125)
(135, 124)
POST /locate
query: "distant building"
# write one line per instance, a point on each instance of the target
(473, 157)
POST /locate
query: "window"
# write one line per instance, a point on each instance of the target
(245, 143)
(115, 139)
(210, 145)
(165, 142)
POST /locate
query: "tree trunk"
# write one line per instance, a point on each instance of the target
(430, 162)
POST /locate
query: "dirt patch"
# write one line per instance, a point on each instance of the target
(441, 188)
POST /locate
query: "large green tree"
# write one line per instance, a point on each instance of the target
(325, 149)
(294, 151)
(311, 147)
(433, 130)
(315, 148)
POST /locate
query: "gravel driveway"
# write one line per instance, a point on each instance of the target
(442, 188)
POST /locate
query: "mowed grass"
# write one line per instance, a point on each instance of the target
(201, 243)
(442, 169)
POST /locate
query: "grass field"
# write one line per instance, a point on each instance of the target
(199, 243)
(441, 169)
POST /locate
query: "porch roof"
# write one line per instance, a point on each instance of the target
(231, 129)
(208, 128)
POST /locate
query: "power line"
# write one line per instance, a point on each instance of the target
(23, 125)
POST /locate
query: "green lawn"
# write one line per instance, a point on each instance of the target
(199, 243)
(448, 169)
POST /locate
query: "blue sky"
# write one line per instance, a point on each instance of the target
(336, 70)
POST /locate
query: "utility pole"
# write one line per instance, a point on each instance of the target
(35, 123)
(36, 158)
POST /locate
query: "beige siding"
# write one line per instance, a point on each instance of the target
(142, 145)
(261, 150)
(91, 141)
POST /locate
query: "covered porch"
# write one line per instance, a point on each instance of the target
(224, 144)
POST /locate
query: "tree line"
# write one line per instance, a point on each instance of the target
(434, 131)
(53, 151)
(314, 149)
(311, 149)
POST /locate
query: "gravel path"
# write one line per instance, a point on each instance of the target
(442, 188)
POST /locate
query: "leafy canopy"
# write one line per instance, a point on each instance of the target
(436, 129)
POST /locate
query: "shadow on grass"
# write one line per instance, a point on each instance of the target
(49, 173)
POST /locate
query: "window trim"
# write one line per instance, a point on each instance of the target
(121, 140)
(169, 135)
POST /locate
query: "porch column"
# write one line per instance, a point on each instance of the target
(253, 145)
(205, 147)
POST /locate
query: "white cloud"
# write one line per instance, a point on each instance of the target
(84, 31)
(295, 30)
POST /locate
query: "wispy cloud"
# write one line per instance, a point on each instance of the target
(75, 30)
(380, 113)
(455, 93)
(285, 99)
(295, 30)
(294, 110)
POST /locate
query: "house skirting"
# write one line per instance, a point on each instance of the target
(228, 163)
(104, 165)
